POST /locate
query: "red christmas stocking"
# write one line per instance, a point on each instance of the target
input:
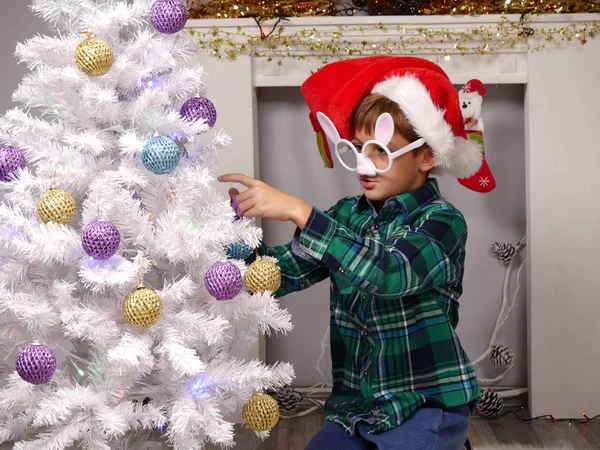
(483, 181)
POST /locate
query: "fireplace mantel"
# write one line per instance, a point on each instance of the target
(424, 36)
(562, 110)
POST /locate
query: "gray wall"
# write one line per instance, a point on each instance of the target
(290, 161)
(17, 24)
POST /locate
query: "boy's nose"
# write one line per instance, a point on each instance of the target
(364, 166)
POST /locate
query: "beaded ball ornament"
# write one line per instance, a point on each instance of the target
(100, 239)
(11, 160)
(161, 155)
(36, 364)
(223, 280)
(168, 16)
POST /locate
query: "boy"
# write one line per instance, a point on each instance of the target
(395, 255)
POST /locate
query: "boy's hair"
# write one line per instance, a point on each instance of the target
(372, 106)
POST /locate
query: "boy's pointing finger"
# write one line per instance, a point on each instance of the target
(238, 178)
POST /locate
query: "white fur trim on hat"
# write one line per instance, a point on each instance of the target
(455, 155)
(465, 94)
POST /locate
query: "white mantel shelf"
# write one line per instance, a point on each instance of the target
(562, 108)
(508, 65)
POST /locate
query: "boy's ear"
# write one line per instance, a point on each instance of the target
(328, 127)
(426, 159)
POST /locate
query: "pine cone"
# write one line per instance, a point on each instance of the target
(505, 252)
(288, 399)
(490, 405)
(501, 355)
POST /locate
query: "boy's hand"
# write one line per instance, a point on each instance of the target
(262, 200)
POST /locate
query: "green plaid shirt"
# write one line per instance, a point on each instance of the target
(396, 277)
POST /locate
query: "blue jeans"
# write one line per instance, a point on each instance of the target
(427, 429)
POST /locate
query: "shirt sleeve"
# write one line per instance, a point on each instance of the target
(410, 261)
(299, 270)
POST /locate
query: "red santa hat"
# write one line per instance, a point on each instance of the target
(472, 88)
(420, 88)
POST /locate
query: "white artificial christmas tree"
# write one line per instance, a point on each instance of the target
(106, 120)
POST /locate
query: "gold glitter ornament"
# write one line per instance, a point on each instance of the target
(142, 307)
(58, 206)
(94, 57)
(262, 275)
(261, 412)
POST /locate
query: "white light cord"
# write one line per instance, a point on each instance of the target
(502, 317)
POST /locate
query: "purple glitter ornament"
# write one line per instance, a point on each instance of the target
(223, 280)
(11, 160)
(100, 239)
(199, 108)
(168, 16)
(36, 364)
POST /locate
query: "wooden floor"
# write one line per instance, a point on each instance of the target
(294, 434)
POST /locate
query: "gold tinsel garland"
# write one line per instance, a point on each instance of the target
(268, 9)
(261, 9)
(450, 7)
(446, 42)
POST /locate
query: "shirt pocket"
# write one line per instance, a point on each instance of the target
(340, 284)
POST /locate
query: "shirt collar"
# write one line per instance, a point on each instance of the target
(406, 203)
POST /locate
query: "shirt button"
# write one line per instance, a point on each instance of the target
(376, 227)
(365, 333)
(342, 271)
(365, 373)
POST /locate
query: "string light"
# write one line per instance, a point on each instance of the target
(342, 43)
(177, 135)
(198, 386)
(155, 79)
(585, 419)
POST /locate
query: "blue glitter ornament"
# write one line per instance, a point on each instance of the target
(239, 250)
(161, 155)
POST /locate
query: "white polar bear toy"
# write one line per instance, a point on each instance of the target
(471, 98)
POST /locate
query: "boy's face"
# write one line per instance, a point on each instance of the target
(408, 172)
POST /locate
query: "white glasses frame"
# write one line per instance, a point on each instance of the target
(384, 132)
(361, 158)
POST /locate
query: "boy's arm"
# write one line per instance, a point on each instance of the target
(410, 261)
(298, 271)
